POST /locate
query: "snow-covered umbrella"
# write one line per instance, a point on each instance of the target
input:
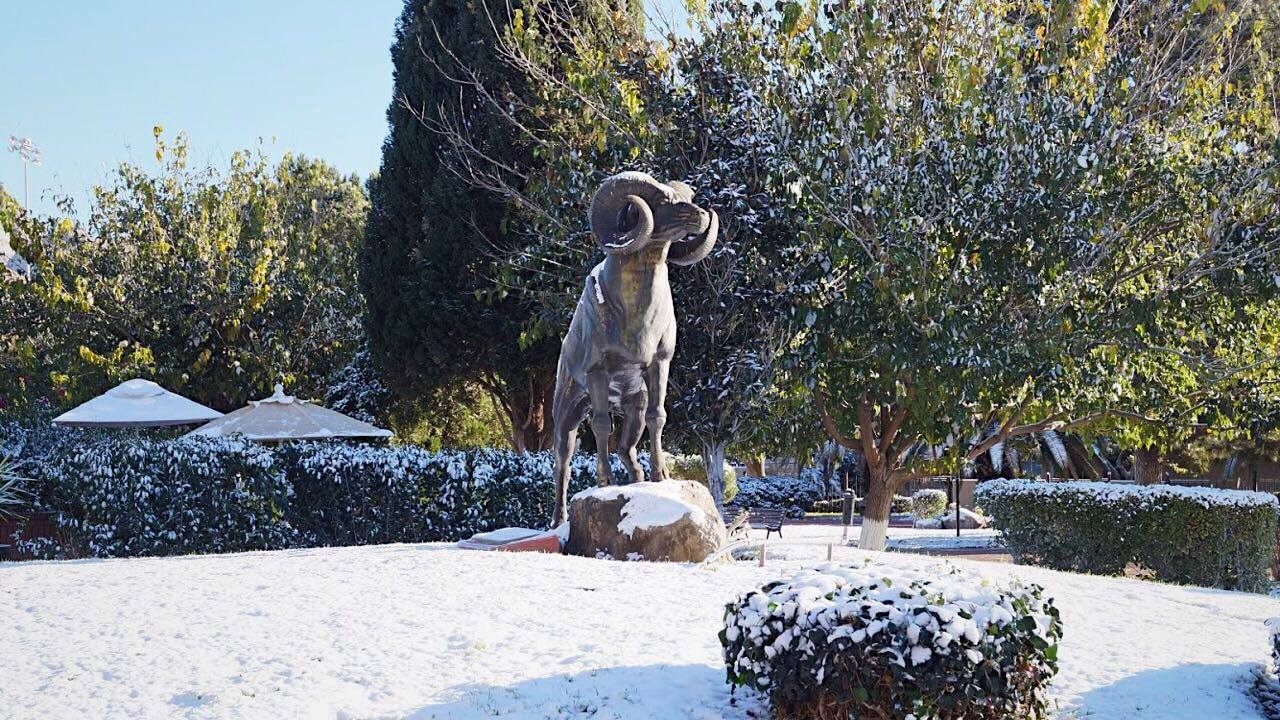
(137, 403)
(283, 417)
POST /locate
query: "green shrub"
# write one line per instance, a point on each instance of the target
(899, 505)
(1199, 536)
(794, 495)
(928, 503)
(125, 495)
(368, 494)
(691, 467)
(851, 642)
(132, 496)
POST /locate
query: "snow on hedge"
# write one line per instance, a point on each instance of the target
(124, 494)
(1201, 536)
(1207, 497)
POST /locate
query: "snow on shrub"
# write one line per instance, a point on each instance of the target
(133, 496)
(368, 494)
(928, 503)
(1266, 681)
(840, 641)
(126, 495)
(1200, 536)
(1273, 625)
(795, 495)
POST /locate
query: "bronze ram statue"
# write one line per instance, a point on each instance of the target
(619, 345)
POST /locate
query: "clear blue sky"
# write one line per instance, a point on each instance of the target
(86, 81)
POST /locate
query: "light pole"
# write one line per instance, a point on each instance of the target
(30, 154)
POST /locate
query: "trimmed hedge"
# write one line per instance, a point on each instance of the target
(841, 641)
(148, 497)
(928, 503)
(125, 495)
(1198, 536)
(794, 495)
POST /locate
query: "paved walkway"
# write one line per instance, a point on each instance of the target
(971, 545)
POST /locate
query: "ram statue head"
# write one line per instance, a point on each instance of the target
(632, 211)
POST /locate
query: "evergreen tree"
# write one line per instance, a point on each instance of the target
(440, 313)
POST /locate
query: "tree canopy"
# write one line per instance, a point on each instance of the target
(217, 285)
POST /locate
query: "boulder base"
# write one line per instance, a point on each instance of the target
(969, 520)
(672, 520)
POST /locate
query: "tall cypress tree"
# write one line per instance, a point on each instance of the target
(436, 315)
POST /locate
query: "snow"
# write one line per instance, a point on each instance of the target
(949, 514)
(649, 504)
(595, 282)
(10, 259)
(505, 535)
(137, 403)
(1105, 491)
(284, 417)
(425, 631)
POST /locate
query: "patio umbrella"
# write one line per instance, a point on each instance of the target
(136, 403)
(283, 417)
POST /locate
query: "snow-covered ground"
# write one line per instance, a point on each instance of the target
(427, 631)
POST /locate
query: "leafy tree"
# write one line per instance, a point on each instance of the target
(679, 108)
(433, 266)
(217, 286)
(715, 133)
(1000, 198)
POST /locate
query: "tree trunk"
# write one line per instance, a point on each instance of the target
(1148, 469)
(713, 461)
(529, 411)
(875, 516)
(755, 465)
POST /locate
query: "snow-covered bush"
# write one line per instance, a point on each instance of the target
(31, 439)
(367, 494)
(842, 641)
(356, 389)
(131, 496)
(795, 495)
(691, 467)
(126, 495)
(1200, 536)
(1266, 682)
(1273, 625)
(928, 503)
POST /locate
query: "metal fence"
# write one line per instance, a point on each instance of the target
(1260, 484)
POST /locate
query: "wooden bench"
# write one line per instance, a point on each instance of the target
(767, 519)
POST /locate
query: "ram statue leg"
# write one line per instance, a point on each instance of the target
(601, 424)
(656, 416)
(569, 411)
(633, 410)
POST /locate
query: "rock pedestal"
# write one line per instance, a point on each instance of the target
(969, 520)
(673, 520)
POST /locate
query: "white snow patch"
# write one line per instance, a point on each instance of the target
(648, 504)
(505, 535)
(426, 631)
(595, 282)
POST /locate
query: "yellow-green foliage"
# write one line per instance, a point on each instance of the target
(691, 467)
